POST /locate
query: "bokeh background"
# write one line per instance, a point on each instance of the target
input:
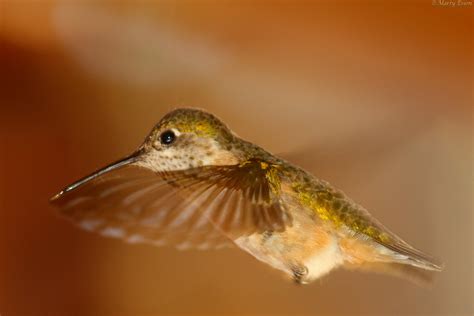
(375, 97)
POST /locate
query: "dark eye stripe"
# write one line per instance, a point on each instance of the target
(167, 137)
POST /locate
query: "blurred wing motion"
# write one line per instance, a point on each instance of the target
(200, 208)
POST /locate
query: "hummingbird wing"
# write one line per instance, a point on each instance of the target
(238, 199)
(134, 204)
(195, 208)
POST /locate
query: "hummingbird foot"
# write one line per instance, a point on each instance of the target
(267, 235)
(299, 274)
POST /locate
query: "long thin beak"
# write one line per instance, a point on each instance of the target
(122, 162)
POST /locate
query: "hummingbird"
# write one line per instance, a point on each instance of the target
(193, 183)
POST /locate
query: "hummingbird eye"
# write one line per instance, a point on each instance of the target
(167, 137)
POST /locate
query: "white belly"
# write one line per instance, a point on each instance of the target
(283, 256)
(320, 263)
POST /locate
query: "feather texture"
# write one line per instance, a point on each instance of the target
(196, 208)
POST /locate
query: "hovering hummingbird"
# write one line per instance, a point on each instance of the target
(194, 183)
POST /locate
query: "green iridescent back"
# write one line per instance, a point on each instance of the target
(333, 205)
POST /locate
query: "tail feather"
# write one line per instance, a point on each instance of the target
(402, 261)
(415, 257)
(419, 276)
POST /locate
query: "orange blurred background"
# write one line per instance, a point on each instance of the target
(375, 97)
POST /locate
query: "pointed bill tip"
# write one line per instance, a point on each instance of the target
(120, 163)
(56, 197)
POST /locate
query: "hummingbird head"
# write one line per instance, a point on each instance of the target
(188, 138)
(182, 139)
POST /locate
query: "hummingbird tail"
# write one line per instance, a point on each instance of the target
(400, 260)
(418, 276)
